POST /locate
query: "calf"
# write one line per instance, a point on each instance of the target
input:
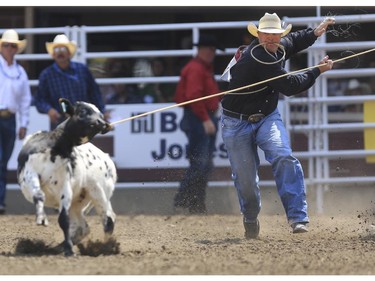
(61, 169)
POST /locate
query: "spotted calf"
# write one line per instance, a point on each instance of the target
(62, 169)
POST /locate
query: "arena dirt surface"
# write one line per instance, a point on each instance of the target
(191, 245)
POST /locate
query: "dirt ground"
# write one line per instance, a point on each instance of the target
(191, 245)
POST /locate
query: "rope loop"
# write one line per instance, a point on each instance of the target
(280, 49)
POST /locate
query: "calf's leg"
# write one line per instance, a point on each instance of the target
(64, 225)
(64, 220)
(103, 207)
(30, 186)
(41, 216)
(79, 228)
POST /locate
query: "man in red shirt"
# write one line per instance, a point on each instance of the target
(199, 123)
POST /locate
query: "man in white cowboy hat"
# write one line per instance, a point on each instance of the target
(65, 79)
(250, 119)
(15, 98)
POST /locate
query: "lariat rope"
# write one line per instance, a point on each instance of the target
(234, 90)
(281, 47)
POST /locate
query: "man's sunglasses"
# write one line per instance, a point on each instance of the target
(6, 45)
(60, 50)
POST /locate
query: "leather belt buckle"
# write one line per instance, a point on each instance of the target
(254, 118)
(5, 113)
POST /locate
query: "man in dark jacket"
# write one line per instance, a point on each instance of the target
(251, 119)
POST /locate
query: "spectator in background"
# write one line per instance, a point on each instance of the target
(336, 87)
(142, 68)
(356, 88)
(152, 92)
(163, 91)
(199, 123)
(15, 97)
(65, 79)
(120, 93)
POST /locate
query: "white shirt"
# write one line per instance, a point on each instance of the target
(15, 94)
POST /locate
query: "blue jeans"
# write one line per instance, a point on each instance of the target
(192, 191)
(241, 139)
(7, 139)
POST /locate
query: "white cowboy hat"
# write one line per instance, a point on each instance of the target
(11, 36)
(269, 23)
(62, 40)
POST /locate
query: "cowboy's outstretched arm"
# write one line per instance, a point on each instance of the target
(322, 27)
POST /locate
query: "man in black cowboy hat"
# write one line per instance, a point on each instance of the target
(199, 123)
(250, 118)
(208, 40)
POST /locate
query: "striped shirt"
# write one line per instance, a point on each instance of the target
(75, 84)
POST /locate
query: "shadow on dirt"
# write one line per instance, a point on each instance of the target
(29, 247)
(36, 248)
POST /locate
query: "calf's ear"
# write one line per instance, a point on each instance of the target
(66, 106)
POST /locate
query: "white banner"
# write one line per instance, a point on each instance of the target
(153, 141)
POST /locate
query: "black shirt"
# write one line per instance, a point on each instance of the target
(256, 64)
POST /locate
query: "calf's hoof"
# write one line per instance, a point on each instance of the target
(42, 220)
(68, 249)
(109, 226)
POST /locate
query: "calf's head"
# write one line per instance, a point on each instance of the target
(84, 122)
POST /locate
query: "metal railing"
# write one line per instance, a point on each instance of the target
(318, 126)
